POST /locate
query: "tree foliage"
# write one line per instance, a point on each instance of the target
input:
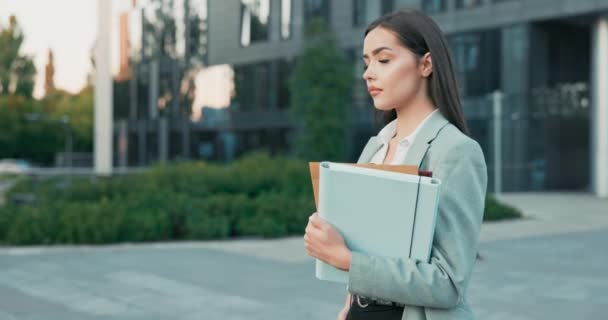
(320, 87)
(17, 71)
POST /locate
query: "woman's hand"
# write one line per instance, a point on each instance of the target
(325, 243)
(343, 313)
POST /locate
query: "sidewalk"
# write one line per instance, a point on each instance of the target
(549, 213)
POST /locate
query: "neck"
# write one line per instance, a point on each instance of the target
(411, 115)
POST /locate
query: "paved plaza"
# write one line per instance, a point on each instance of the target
(549, 265)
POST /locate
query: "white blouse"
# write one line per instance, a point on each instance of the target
(387, 133)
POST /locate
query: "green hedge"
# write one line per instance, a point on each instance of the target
(254, 196)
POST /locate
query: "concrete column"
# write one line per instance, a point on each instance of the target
(599, 111)
(102, 146)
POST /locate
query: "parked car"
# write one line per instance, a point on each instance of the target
(14, 166)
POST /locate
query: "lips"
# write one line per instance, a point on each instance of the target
(373, 90)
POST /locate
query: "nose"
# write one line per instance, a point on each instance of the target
(368, 74)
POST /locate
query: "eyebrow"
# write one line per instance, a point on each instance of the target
(375, 51)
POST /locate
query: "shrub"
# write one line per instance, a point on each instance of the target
(257, 195)
(496, 210)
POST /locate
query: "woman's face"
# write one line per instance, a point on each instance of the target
(393, 74)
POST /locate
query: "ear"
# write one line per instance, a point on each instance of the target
(426, 65)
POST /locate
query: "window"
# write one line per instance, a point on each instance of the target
(254, 21)
(316, 9)
(284, 71)
(286, 19)
(463, 4)
(251, 84)
(433, 6)
(262, 85)
(477, 58)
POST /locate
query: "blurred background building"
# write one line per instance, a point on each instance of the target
(537, 54)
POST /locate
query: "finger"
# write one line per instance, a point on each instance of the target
(315, 234)
(316, 221)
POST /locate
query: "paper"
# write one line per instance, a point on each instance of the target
(314, 173)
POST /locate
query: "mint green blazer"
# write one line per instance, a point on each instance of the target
(434, 290)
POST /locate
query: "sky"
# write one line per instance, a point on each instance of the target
(69, 28)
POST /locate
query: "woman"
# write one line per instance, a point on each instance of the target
(410, 75)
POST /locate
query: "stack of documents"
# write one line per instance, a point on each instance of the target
(379, 212)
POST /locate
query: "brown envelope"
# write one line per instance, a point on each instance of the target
(314, 173)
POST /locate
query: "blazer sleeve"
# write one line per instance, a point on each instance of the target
(441, 282)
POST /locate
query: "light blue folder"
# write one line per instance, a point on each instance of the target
(377, 212)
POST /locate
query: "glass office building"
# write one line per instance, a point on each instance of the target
(541, 61)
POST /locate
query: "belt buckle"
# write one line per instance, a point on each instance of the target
(361, 305)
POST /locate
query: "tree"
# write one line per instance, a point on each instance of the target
(17, 71)
(49, 75)
(320, 88)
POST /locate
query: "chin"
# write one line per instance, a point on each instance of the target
(378, 104)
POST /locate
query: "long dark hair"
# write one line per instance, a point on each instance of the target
(419, 33)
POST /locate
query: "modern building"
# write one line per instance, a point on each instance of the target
(533, 74)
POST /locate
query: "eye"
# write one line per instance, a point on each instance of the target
(383, 61)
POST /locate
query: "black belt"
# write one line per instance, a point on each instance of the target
(364, 302)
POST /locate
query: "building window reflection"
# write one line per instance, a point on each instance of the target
(286, 19)
(254, 21)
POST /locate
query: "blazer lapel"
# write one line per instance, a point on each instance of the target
(417, 151)
(425, 136)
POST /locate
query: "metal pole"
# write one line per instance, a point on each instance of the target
(497, 111)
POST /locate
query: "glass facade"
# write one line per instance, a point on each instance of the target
(363, 12)
(433, 6)
(477, 59)
(261, 86)
(252, 90)
(543, 124)
(366, 11)
(167, 42)
(463, 4)
(255, 15)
